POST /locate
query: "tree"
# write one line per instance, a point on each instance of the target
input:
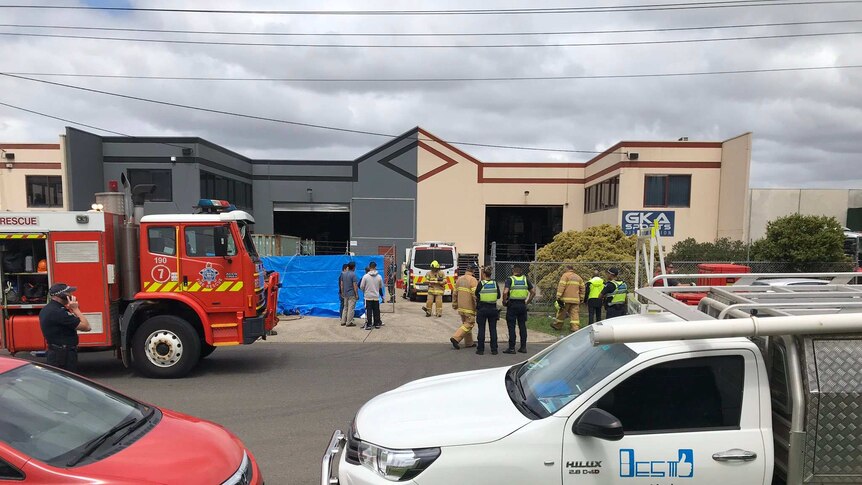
(799, 239)
(722, 249)
(597, 243)
(605, 243)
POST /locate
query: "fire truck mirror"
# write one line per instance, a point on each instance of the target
(221, 237)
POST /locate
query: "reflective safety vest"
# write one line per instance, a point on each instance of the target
(618, 297)
(488, 293)
(518, 289)
(596, 286)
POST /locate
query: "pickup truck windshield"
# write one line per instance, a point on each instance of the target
(553, 378)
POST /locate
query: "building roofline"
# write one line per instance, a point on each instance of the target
(29, 146)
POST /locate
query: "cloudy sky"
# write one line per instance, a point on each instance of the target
(807, 125)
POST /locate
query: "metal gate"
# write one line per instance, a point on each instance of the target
(390, 276)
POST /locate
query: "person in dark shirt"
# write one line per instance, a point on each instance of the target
(60, 320)
(614, 294)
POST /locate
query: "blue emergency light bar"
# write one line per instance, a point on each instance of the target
(212, 206)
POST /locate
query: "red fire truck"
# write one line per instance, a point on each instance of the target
(162, 291)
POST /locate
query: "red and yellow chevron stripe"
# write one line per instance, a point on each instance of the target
(23, 236)
(173, 286)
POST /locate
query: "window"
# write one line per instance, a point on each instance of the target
(200, 242)
(422, 258)
(684, 395)
(44, 191)
(602, 196)
(667, 191)
(160, 178)
(162, 240)
(9, 472)
(222, 188)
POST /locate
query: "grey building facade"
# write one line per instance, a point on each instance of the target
(370, 200)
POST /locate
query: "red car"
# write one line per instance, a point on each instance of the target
(58, 428)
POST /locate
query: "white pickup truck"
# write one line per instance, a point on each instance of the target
(640, 399)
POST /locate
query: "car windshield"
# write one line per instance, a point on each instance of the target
(555, 377)
(53, 416)
(424, 257)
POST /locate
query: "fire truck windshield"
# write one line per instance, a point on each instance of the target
(245, 232)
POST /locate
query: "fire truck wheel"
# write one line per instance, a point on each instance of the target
(206, 350)
(166, 346)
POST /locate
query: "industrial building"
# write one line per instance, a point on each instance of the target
(418, 187)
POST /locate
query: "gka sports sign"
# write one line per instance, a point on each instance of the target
(634, 220)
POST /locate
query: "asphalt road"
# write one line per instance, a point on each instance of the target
(284, 400)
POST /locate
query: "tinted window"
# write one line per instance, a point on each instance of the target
(44, 191)
(200, 242)
(684, 395)
(667, 190)
(162, 240)
(222, 188)
(160, 178)
(51, 416)
(8, 472)
(423, 258)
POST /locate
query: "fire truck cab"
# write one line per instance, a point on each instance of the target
(162, 291)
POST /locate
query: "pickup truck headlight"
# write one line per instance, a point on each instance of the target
(396, 465)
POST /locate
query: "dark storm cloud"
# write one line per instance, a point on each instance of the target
(806, 124)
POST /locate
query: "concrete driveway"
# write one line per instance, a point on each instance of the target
(407, 325)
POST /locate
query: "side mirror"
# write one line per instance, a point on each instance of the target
(221, 234)
(599, 424)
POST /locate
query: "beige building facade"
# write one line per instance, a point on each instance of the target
(769, 204)
(31, 177)
(701, 186)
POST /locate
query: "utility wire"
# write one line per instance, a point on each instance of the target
(513, 11)
(434, 46)
(431, 79)
(65, 120)
(283, 121)
(428, 34)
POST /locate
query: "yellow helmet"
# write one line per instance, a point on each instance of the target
(435, 264)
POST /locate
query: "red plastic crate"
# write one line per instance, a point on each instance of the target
(718, 268)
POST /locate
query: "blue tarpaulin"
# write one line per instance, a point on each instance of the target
(309, 284)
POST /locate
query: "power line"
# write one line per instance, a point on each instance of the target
(513, 11)
(430, 34)
(65, 120)
(435, 46)
(432, 79)
(283, 121)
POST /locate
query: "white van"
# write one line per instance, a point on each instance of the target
(419, 258)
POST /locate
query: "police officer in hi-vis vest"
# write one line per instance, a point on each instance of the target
(594, 297)
(614, 294)
(464, 300)
(570, 295)
(517, 294)
(488, 293)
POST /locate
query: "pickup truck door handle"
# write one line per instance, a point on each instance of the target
(735, 455)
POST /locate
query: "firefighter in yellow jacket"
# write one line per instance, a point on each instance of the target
(464, 300)
(436, 281)
(570, 294)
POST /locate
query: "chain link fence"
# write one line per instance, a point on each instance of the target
(546, 275)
